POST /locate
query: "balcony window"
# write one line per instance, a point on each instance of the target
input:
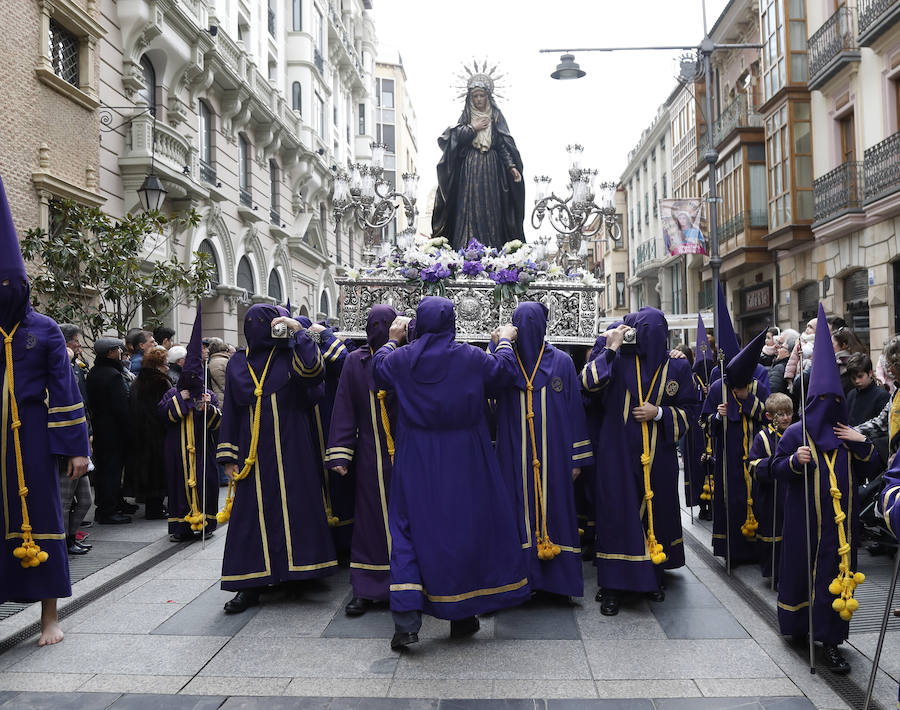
(320, 116)
(271, 16)
(297, 15)
(275, 193)
(148, 90)
(789, 163)
(784, 54)
(362, 119)
(275, 290)
(848, 138)
(207, 250)
(64, 53)
(385, 93)
(297, 97)
(207, 171)
(245, 276)
(244, 170)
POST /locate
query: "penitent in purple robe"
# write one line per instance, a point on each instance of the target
(455, 542)
(52, 425)
(359, 442)
(562, 443)
(278, 530)
(852, 461)
(174, 409)
(622, 556)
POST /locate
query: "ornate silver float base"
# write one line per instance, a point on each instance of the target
(573, 318)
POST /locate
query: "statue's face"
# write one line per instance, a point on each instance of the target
(479, 99)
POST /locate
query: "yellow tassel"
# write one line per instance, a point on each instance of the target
(846, 581)
(657, 556)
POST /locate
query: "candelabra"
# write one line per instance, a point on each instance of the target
(362, 190)
(577, 219)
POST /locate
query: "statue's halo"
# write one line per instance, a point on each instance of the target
(479, 76)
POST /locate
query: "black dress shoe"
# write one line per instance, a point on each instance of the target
(74, 548)
(114, 519)
(461, 628)
(127, 508)
(834, 659)
(357, 606)
(402, 639)
(182, 537)
(84, 546)
(658, 596)
(609, 602)
(242, 601)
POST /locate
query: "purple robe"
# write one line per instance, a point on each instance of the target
(41, 370)
(278, 530)
(695, 442)
(173, 409)
(455, 543)
(622, 556)
(768, 497)
(745, 419)
(890, 504)
(853, 462)
(357, 441)
(562, 444)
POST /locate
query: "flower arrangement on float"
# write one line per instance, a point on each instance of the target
(428, 263)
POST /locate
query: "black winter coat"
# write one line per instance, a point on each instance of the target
(107, 391)
(145, 473)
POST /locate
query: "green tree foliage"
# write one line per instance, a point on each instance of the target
(96, 271)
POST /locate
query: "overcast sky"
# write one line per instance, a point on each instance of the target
(605, 111)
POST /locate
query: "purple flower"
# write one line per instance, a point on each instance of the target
(410, 272)
(435, 272)
(475, 247)
(506, 276)
(524, 278)
(472, 268)
(530, 265)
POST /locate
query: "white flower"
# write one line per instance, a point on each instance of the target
(353, 274)
(555, 271)
(587, 278)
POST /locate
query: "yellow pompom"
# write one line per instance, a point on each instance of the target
(859, 578)
(221, 517)
(659, 558)
(19, 553)
(835, 587)
(838, 604)
(852, 604)
(846, 615)
(333, 520)
(42, 556)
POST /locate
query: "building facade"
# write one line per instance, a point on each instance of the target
(395, 126)
(242, 108)
(50, 95)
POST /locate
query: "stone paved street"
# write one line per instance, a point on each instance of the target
(163, 632)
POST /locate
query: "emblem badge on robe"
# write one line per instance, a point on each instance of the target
(671, 388)
(30, 341)
(557, 384)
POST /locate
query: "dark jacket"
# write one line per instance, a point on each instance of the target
(107, 390)
(145, 473)
(864, 404)
(777, 383)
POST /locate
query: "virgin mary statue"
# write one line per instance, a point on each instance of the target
(480, 190)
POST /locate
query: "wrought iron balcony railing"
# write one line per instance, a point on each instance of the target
(874, 17)
(832, 45)
(839, 191)
(737, 114)
(246, 197)
(207, 172)
(881, 168)
(743, 221)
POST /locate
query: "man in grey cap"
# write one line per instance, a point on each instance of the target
(108, 390)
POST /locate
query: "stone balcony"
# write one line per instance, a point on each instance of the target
(832, 47)
(839, 192)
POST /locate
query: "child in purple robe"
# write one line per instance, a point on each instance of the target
(768, 496)
(648, 402)
(278, 531)
(360, 443)
(732, 426)
(542, 443)
(43, 421)
(834, 459)
(455, 548)
(192, 479)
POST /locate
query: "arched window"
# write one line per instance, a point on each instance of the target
(304, 311)
(245, 276)
(207, 249)
(275, 286)
(148, 92)
(207, 172)
(324, 303)
(297, 96)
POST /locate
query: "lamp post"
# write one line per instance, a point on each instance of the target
(571, 216)
(362, 190)
(151, 193)
(568, 69)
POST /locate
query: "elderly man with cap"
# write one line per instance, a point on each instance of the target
(107, 387)
(43, 427)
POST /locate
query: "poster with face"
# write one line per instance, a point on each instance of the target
(683, 223)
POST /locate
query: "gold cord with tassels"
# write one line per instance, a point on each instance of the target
(846, 581)
(29, 553)
(748, 529)
(196, 519)
(386, 423)
(546, 549)
(656, 549)
(708, 480)
(225, 514)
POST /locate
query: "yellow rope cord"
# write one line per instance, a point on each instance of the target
(708, 479)
(194, 517)
(225, 514)
(386, 423)
(748, 529)
(656, 549)
(29, 552)
(846, 581)
(546, 550)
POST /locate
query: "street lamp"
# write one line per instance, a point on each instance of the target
(567, 68)
(362, 190)
(569, 217)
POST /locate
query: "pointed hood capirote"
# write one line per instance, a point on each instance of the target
(378, 325)
(530, 318)
(435, 333)
(15, 290)
(825, 401)
(726, 338)
(739, 370)
(704, 359)
(191, 378)
(652, 329)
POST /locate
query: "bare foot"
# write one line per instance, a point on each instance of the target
(50, 634)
